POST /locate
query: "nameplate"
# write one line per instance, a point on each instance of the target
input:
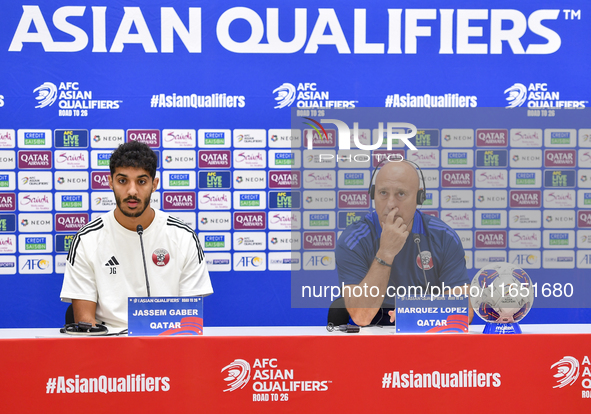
(431, 314)
(165, 316)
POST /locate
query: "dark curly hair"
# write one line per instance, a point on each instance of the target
(134, 154)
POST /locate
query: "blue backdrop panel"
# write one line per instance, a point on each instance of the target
(185, 69)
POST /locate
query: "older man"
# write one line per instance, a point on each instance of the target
(380, 251)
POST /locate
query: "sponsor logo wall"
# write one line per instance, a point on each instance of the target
(231, 163)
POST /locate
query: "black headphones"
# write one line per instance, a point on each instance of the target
(421, 194)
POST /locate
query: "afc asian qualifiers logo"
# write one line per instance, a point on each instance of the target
(47, 94)
(160, 257)
(567, 371)
(238, 374)
(286, 94)
(425, 260)
(516, 95)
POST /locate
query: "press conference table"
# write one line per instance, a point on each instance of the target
(298, 369)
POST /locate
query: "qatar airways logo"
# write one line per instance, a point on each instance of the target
(525, 198)
(214, 159)
(34, 159)
(179, 201)
(584, 218)
(491, 137)
(250, 221)
(284, 179)
(100, 180)
(457, 178)
(7, 201)
(491, 239)
(559, 158)
(150, 137)
(70, 222)
(353, 199)
(319, 240)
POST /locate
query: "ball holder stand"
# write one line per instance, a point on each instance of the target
(501, 328)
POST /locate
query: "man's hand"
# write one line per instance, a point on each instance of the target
(392, 314)
(394, 234)
(84, 311)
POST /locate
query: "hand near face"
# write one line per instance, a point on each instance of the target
(394, 234)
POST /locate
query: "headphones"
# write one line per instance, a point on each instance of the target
(421, 194)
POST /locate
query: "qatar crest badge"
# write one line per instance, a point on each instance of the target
(425, 260)
(160, 257)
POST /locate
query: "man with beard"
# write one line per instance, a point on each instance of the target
(105, 265)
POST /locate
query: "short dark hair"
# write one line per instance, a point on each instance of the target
(134, 154)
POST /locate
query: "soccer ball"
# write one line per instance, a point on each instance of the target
(501, 293)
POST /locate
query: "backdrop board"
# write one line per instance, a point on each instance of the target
(210, 87)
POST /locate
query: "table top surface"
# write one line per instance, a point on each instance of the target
(303, 331)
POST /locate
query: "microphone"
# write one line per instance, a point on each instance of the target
(140, 231)
(417, 239)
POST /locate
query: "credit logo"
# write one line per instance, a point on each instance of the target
(71, 201)
(34, 138)
(250, 200)
(560, 137)
(214, 138)
(179, 180)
